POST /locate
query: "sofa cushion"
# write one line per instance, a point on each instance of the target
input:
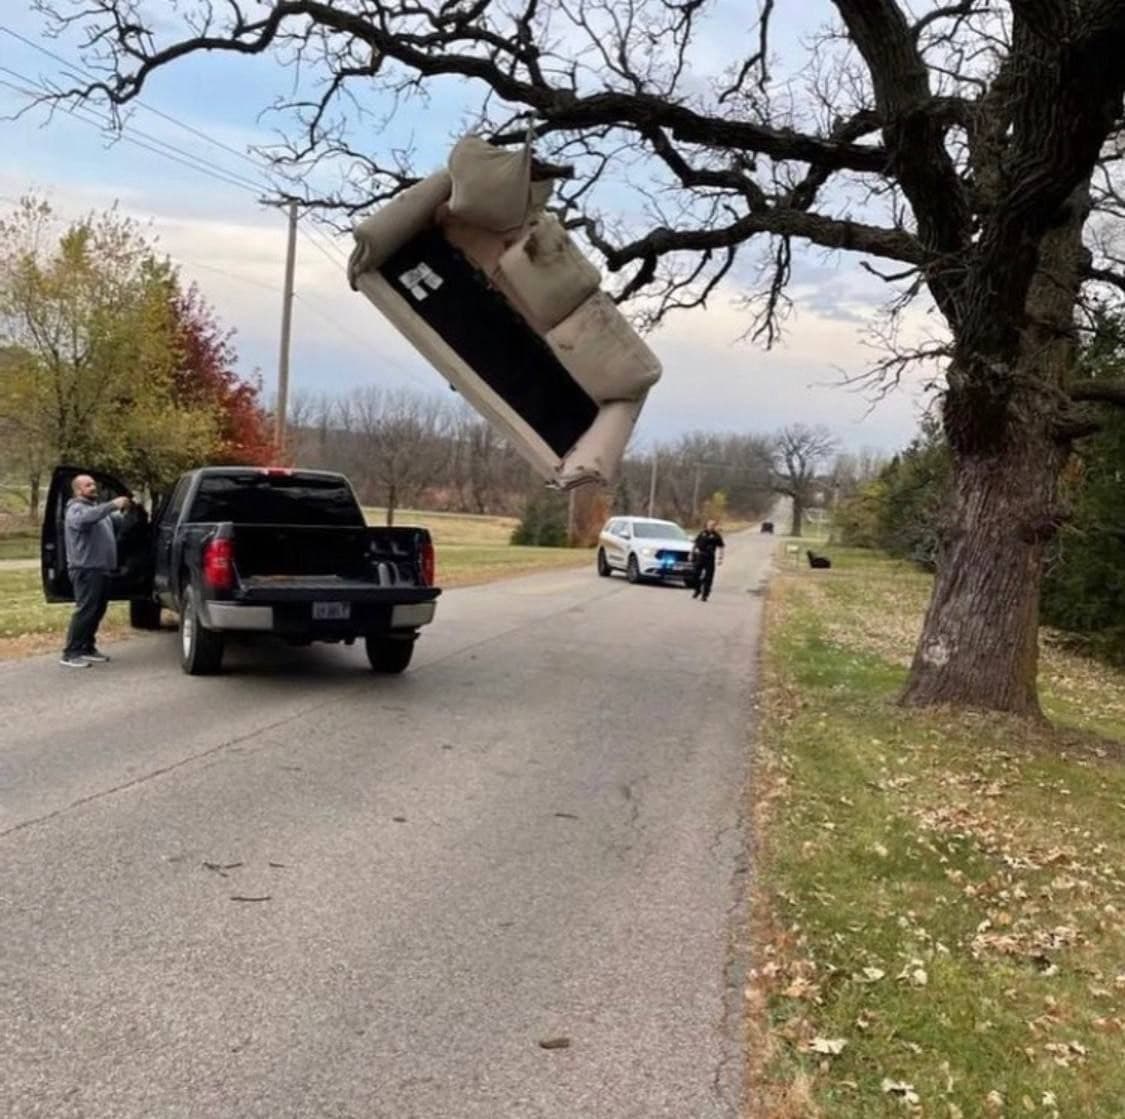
(545, 274)
(491, 186)
(603, 353)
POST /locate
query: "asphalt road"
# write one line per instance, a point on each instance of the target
(534, 834)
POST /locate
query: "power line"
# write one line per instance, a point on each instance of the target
(89, 118)
(331, 244)
(71, 69)
(328, 253)
(229, 274)
(174, 154)
(369, 344)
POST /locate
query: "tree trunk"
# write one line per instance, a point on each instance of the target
(980, 645)
(392, 500)
(798, 517)
(980, 640)
(33, 498)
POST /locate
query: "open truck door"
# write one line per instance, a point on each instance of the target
(133, 577)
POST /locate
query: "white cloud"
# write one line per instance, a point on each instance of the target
(712, 380)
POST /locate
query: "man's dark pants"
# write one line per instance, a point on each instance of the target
(704, 577)
(91, 596)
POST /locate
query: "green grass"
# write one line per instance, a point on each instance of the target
(19, 545)
(972, 861)
(451, 528)
(19, 539)
(459, 565)
(26, 621)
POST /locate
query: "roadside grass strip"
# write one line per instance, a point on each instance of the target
(939, 907)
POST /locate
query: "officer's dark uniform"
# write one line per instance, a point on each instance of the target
(704, 549)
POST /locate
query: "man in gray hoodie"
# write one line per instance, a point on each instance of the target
(91, 555)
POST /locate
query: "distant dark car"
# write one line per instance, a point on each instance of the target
(767, 526)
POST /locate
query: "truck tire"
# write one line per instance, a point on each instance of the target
(388, 654)
(144, 613)
(201, 650)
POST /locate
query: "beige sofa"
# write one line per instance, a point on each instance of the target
(491, 290)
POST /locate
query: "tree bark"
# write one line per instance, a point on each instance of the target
(33, 499)
(980, 645)
(798, 517)
(980, 639)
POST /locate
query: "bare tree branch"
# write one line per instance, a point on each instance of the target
(1100, 392)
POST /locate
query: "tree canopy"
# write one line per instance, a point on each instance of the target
(108, 362)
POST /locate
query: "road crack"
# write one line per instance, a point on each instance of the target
(163, 771)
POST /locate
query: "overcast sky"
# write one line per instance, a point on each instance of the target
(234, 248)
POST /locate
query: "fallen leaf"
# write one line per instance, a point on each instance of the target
(830, 1046)
(800, 988)
(994, 1103)
(900, 1088)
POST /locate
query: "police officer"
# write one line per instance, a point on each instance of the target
(707, 550)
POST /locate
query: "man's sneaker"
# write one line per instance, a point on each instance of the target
(74, 662)
(96, 657)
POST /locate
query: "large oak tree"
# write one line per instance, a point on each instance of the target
(971, 144)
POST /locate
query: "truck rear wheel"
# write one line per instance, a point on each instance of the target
(201, 650)
(144, 613)
(389, 654)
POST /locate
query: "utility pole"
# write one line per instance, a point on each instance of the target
(695, 493)
(652, 485)
(832, 509)
(286, 324)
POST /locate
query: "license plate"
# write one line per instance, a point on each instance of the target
(331, 611)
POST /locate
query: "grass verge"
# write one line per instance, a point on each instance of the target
(28, 625)
(939, 910)
(451, 528)
(19, 545)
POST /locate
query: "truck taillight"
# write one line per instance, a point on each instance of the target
(218, 564)
(428, 561)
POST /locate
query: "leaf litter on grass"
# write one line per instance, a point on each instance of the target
(943, 890)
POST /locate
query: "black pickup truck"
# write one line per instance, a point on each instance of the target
(258, 549)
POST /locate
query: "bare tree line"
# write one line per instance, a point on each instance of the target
(403, 448)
